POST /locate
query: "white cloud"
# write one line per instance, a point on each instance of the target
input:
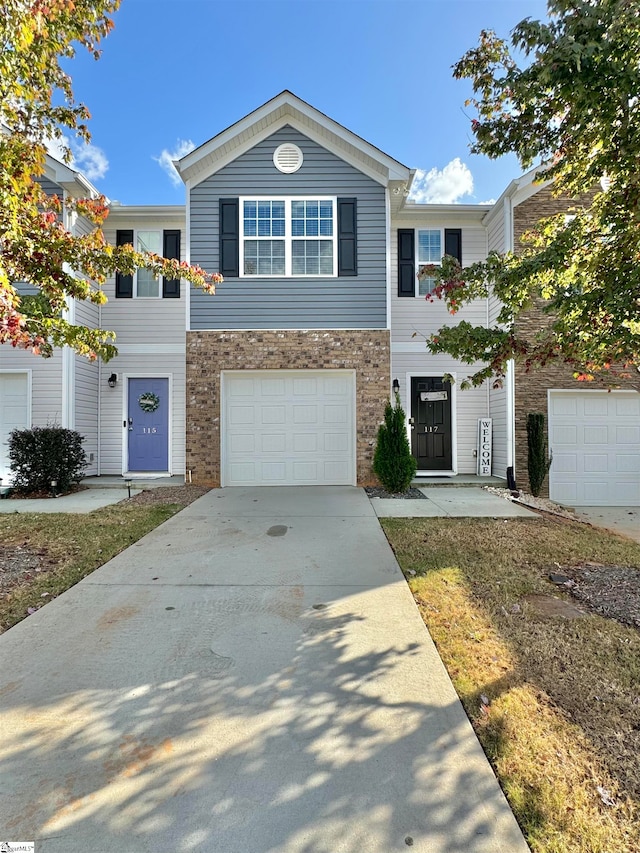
(86, 158)
(445, 186)
(90, 160)
(490, 201)
(166, 158)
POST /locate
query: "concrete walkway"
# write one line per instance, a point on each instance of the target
(452, 502)
(79, 502)
(251, 677)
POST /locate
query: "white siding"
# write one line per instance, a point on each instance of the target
(469, 405)
(86, 409)
(145, 321)
(417, 314)
(498, 412)
(150, 336)
(46, 403)
(496, 238)
(495, 232)
(113, 406)
(409, 354)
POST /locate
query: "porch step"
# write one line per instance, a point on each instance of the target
(459, 480)
(113, 481)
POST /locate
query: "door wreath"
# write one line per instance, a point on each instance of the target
(148, 401)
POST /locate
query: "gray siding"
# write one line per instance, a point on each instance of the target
(289, 303)
(50, 187)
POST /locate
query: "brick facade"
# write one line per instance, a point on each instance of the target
(368, 352)
(531, 388)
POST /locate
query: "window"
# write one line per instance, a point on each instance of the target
(288, 237)
(146, 284)
(429, 252)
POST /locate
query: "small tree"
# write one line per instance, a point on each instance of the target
(537, 462)
(393, 463)
(41, 455)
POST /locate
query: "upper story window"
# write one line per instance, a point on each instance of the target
(429, 251)
(143, 284)
(288, 237)
(420, 246)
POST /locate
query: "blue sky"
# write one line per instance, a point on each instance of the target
(174, 74)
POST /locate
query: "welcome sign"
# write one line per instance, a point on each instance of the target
(484, 447)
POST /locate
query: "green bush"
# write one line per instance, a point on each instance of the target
(393, 463)
(42, 454)
(537, 463)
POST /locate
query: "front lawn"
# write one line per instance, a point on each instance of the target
(551, 686)
(42, 555)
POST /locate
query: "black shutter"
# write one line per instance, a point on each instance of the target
(171, 249)
(453, 243)
(229, 238)
(406, 262)
(124, 283)
(347, 236)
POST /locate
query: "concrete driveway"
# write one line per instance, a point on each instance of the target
(624, 520)
(251, 676)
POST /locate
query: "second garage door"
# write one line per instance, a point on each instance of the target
(288, 428)
(595, 440)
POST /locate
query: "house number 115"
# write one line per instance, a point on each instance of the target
(149, 430)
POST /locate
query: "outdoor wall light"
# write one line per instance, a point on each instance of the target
(396, 386)
(111, 381)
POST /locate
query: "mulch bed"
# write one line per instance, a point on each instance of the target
(410, 494)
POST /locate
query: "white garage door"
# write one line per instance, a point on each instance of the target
(14, 412)
(289, 428)
(595, 439)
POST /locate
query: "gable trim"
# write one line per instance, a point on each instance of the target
(262, 123)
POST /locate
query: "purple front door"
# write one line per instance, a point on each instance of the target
(148, 425)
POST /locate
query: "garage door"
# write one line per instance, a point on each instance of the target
(14, 412)
(288, 428)
(595, 439)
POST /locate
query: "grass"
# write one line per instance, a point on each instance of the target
(73, 546)
(555, 702)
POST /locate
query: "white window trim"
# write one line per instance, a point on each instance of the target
(135, 275)
(418, 263)
(288, 237)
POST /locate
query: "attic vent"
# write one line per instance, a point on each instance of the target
(287, 158)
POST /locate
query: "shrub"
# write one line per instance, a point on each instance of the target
(393, 463)
(537, 463)
(43, 454)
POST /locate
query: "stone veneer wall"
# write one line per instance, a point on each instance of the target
(368, 352)
(531, 388)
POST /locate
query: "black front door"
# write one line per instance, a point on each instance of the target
(431, 428)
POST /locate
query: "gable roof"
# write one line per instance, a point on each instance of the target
(70, 179)
(287, 109)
